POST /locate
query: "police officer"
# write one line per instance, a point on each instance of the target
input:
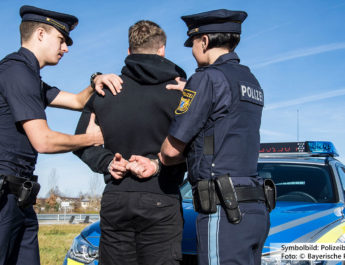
(24, 130)
(217, 126)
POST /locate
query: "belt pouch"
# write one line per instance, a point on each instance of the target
(28, 193)
(204, 197)
(227, 196)
(270, 194)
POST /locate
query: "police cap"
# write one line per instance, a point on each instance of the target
(215, 21)
(62, 22)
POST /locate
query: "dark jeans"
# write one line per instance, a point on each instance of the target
(220, 242)
(18, 233)
(140, 228)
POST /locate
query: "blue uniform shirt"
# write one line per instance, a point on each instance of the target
(223, 101)
(23, 96)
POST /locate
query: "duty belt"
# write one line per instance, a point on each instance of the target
(25, 189)
(247, 194)
(220, 190)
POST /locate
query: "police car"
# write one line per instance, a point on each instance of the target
(310, 186)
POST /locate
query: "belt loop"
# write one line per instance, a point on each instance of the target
(2, 185)
(2, 181)
(208, 145)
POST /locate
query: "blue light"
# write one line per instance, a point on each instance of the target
(320, 147)
(308, 148)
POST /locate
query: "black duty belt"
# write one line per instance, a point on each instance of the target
(220, 190)
(25, 189)
(14, 183)
(248, 194)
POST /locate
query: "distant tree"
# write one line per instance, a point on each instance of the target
(51, 203)
(81, 195)
(53, 184)
(96, 185)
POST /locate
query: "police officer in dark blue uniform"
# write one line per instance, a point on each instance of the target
(23, 127)
(217, 127)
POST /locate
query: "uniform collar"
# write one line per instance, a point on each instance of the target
(231, 56)
(31, 59)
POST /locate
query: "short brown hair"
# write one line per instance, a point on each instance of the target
(27, 28)
(145, 36)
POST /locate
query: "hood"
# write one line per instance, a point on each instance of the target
(301, 222)
(290, 222)
(92, 233)
(151, 69)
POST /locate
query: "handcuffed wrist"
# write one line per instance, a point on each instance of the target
(109, 168)
(158, 166)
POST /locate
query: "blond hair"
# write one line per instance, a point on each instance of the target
(145, 37)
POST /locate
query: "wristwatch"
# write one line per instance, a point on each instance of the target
(93, 76)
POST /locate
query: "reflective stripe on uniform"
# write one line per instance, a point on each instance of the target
(213, 230)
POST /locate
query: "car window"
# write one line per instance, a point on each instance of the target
(341, 172)
(296, 182)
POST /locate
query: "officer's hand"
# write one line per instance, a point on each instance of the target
(95, 131)
(117, 168)
(141, 166)
(181, 83)
(112, 81)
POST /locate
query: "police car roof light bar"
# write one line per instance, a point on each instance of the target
(308, 148)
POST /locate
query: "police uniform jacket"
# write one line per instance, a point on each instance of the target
(219, 119)
(136, 122)
(23, 96)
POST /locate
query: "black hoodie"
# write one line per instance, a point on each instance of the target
(136, 122)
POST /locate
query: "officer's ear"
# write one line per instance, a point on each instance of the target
(129, 51)
(39, 33)
(204, 42)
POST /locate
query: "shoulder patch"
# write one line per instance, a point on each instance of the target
(251, 93)
(186, 100)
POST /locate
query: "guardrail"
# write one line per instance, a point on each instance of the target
(71, 218)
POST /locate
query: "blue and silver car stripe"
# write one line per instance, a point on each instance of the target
(213, 230)
(300, 221)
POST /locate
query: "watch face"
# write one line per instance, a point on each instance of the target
(92, 78)
(94, 75)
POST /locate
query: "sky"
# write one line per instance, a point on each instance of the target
(295, 48)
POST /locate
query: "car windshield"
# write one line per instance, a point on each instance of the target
(294, 182)
(298, 182)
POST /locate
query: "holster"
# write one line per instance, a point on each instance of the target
(227, 196)
(270, 194)
(24, 189)
(28, 193)
(210, 192)
(204, 197)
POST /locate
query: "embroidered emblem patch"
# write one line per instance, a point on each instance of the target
(186, 100)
